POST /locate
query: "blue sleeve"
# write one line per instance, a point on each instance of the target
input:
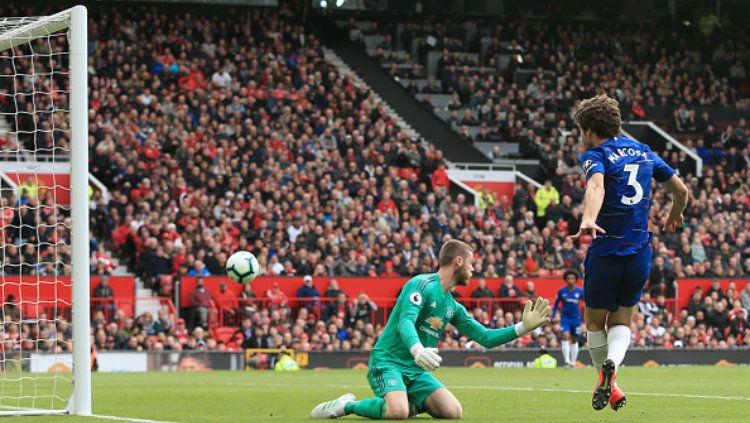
(592, 162)
(558, 299)
(662, 171)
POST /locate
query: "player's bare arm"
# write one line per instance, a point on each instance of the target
(592, 204)
(679, 201)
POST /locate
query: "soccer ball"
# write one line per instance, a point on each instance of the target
(242, 267)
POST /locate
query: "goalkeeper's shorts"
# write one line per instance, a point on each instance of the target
(418, 384)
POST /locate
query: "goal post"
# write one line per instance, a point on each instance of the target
(43, 128)
(79, 172)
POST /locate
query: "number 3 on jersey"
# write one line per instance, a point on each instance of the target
(632, 170)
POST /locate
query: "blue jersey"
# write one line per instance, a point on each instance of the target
(628, 167)
(571, 309)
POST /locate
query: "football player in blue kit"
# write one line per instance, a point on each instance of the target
(570, 316)
(616, 213)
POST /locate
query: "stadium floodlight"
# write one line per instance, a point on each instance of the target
(44, 125)
(324, 3)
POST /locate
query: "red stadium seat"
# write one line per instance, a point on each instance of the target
(223, 333)
(406, 172)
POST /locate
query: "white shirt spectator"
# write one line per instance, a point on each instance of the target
(327, 140)
(294, 233)
(222, 79)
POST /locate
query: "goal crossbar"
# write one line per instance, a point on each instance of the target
(41, 27)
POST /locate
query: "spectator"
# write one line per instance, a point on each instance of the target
(333, 290)
(661, 279)
(738, 322)
(716, 287)
(696, 303)
(718, 318)
(308, 290)
(364, 309)
(745, 296)
(260, 339)
(482, 291)
(389, 270)
(247, 292)
(544, 196)
(163, 324)
(337, 308)
(276, 296)
(199, 269)
(440, 177)
(11, 309)
(529, 293)
(248, 306)
(647, 306)
(201, 300)
(101, 262)
(181, 333)
(104, 298)
(509, 289)
(227, 302)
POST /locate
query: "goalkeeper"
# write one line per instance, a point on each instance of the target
(405, 354)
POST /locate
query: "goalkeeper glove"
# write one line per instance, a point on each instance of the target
(534, 315)
(426, 358)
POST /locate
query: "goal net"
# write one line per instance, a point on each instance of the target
(44, 337)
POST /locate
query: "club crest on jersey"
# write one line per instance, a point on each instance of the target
(435, 322)
(449, 313)
(416, 298)
(587, 165)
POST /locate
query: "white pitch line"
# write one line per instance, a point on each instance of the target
(127, 419)
(500, 388)
(574, 391)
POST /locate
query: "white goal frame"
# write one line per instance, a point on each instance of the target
(75, 20)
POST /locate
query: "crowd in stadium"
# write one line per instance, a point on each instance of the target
(218, 133)
(715, 318)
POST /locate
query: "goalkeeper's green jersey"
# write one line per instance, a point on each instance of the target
(421, 314)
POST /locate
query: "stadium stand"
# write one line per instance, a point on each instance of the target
(218, 133)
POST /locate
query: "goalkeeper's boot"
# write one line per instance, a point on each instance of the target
(603, 390)
(332, 409)
(617, 400)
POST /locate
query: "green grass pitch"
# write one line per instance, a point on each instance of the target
(659, 395)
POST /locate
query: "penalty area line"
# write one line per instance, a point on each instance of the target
(126, 419)
(502, 388)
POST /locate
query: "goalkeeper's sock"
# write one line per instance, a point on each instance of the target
(373, 408)
(574, 352)
(597, 341)
(566, 351)
(618, 338)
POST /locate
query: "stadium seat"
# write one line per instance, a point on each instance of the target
(223, 333)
